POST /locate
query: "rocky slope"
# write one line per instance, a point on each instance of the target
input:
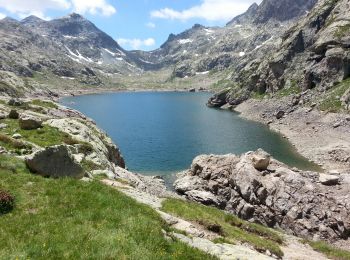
(83, 41)
(313, 54)
(260, 189)
(70, 49)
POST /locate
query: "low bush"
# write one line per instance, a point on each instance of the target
(7, 202)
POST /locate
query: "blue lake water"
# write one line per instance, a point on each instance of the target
(161, 132)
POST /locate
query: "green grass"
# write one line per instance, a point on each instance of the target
(71, 219)
(45, 136)
(223, 84)
(258, 96)
(330, 251)
(284, 92)
(12, 144)
(331, 102)
(231, 227)
(90, 166)
(342, 31)
(42, 103)
(293, 89)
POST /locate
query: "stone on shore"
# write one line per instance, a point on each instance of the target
(56, 162)
(327, 179)
(261, 160)
(280, 114)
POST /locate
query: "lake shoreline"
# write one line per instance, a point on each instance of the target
(83, 92)
(323, 138)
(224, 132)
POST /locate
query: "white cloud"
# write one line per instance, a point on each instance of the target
(2, 16)
(136, 44)
(24, 8)
(211, 10)
(93, 7)
(151, 25)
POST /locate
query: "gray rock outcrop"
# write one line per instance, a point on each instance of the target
(301, 202)
(56, 162)
(29, 123)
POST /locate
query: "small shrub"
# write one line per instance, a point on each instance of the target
(89, 166)
(85, 148)
(7, 202)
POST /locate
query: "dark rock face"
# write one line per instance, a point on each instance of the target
(314, 52)
(219, 99)
(183, 71)
(13, 114)
(56, 162)
(303, 203)
(319, 38)
(115, 156)
(282, 10)
(277, 10)
(248, 16)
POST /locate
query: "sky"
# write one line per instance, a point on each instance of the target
(135, 24)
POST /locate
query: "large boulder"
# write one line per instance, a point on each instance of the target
(302, 203)
(13, 114)
(261, 160)
(29, 123)
(105, 152)
(327, 179)
(56, 162)
(15, 102)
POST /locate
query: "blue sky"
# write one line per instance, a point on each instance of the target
(136, 24)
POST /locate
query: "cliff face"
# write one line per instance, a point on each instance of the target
(282, 10)
(313, 55)
(315, 51)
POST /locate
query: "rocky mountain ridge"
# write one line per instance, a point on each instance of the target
(68, 48)
(73, 48)
(201, 49)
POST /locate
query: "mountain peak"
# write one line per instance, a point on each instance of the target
(197, 26)
(75, 16)
(32, 20)
(247, 16)
(282, 10)
(8, 19)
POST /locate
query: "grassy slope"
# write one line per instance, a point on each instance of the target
(330, 251)
(65, 218)
(232, 228)
(331, 101)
